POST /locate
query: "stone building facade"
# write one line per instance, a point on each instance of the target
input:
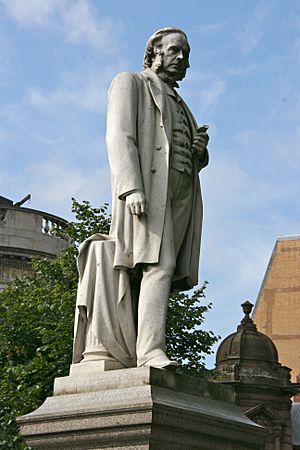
(277, 308)
(248, 361)
(25, 234)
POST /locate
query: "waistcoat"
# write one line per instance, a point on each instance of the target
(181, 150)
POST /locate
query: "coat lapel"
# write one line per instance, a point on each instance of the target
(158, 94)
(156, 89)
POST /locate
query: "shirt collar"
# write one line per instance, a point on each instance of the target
(171, 91)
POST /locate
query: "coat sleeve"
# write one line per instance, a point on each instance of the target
(121, 135)
(202, 161)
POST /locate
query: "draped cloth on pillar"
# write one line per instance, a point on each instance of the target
(104, 302)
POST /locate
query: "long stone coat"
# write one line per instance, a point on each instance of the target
(139, 134)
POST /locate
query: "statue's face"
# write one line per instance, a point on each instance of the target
(173, 52)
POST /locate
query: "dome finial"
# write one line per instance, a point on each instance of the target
(247, 322)
(247, 307)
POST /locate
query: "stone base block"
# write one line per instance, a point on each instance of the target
(86, 368)
(140, 408)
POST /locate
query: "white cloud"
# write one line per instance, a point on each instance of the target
(247, 137)
(76, 20)
(69, 118)
(205, 91)
(210, 27)
(243, 69)
(278, 148)
(64, 116)
(81, 25)
(58, 132)
(38, 13)
(244, 212)
(210, 95)
(53, 182)
(251, 34)
(223, 181)
(85, 88)
(252, 194)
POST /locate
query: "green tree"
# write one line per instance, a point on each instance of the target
(187, 342)
(36, 327)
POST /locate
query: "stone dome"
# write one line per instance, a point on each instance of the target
(247, 360)
(249, 356)
(247, 343)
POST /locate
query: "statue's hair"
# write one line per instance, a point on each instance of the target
(153, 42)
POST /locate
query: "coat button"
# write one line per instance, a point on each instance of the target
(153, 170)
(158, 147)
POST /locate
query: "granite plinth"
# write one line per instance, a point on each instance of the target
(140, 408)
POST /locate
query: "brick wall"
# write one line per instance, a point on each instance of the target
(277, 309)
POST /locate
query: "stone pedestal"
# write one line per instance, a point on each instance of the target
(140, 408)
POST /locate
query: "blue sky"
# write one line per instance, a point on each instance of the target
(57, 58)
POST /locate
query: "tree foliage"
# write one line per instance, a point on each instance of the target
(36, 327)
(187, 342)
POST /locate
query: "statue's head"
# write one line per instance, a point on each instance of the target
(167, 53)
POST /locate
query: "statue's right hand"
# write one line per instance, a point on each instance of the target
(136, 203)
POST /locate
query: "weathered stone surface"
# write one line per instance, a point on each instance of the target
(248, 361)
(140, 408)
(24, 234)
(155, 152)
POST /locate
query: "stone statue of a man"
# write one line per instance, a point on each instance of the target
(155, 153)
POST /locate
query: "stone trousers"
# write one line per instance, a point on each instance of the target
(156, 278)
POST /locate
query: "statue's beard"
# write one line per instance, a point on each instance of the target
(170, 76)
(164, 74)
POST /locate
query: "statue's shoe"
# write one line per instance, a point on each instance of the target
(162, 362)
